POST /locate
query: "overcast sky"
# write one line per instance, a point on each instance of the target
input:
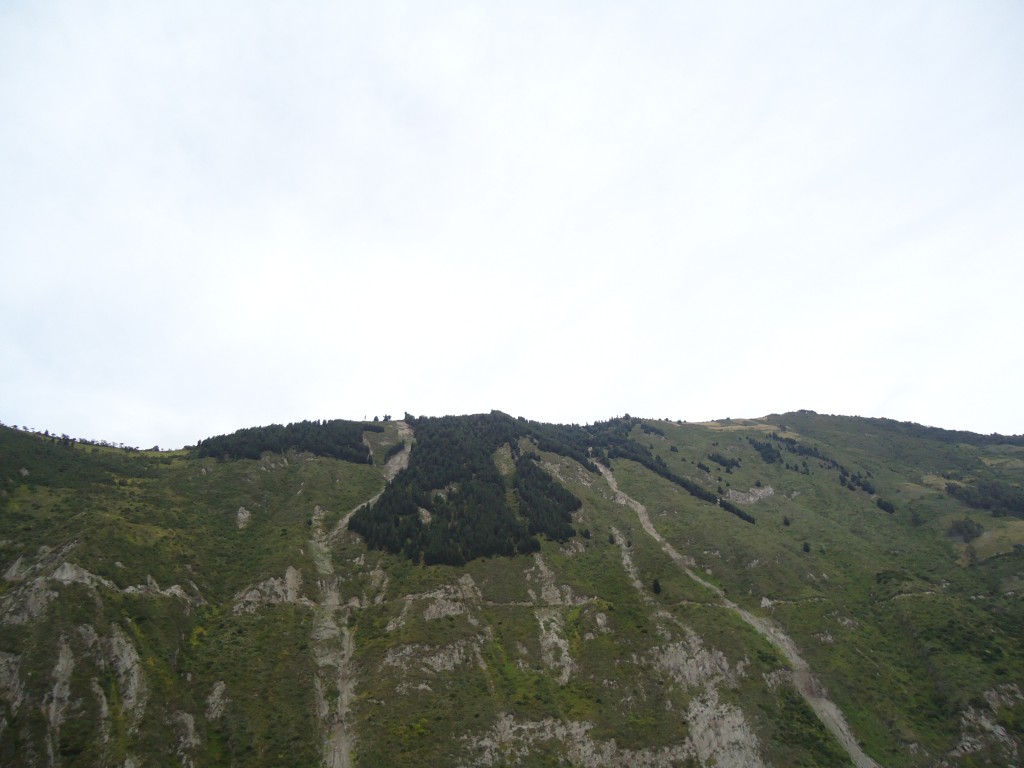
(215, 215)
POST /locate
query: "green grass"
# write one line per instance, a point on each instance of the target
(903, 628)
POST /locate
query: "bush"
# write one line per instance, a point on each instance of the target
(885, 506)
(965, 529)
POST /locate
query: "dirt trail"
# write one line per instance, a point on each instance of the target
(803, 679)
(394, 465)
(400, 461)
(333, 647)
(333, 644)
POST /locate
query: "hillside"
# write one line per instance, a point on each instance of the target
(486, 591)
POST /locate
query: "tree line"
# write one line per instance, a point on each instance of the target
(1001, 499)
(336, 439)
(452, 505)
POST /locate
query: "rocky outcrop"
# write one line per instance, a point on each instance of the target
(720, 734)
(273, 592)
(752, 496)
(511, 741)
(216, 701)
(982, 734)
(554, 648)
(38, 583)
(131, 680)
(550, 592)
(692, 666)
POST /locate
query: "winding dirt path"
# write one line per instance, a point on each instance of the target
(400, 460)
(394, 465)
(803, 679)
(333, 647)
(333, 643)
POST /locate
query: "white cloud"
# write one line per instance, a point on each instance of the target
(216, 216)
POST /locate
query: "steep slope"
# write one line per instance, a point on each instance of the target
(729, 593)
(802, 678)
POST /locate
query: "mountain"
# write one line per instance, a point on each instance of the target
(797, 589)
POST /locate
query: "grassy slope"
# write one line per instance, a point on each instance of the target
(138, 518)
(903, 634)
(904, 629)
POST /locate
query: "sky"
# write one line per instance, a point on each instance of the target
(216, 215)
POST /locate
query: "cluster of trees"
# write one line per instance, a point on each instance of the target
(572, 441)
(946, 435)
(885, 506)
(546, 505)
(336, 439)
(856, 481)
(650, 429)
(452, 505)
(743, 515)
(798, 448)
(853, 481)
(1001, 499)
(634, 451)
(61, 461)
(725, 462)
(965, 529)
(394, 450)
(68, 441)
(769, 453)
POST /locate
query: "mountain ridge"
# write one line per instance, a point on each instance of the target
(160, 603)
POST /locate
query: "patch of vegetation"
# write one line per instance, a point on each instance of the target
(799, 728)
(546, 505)
(768, 452)
(337, 439)
(965, 529)
(453, 478)
(394, 450)
(997, 497)
(885, 506)
(725, 462)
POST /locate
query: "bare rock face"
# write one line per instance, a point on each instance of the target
(691, 665)
(981, 733)
(551, 593)
(461, 598)
(752, 496)
(216, 701)
(430, 659)
(453, 600)
(12, 691)
(553, 644)
(130, 677)
(510, 741)
(273, 591)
